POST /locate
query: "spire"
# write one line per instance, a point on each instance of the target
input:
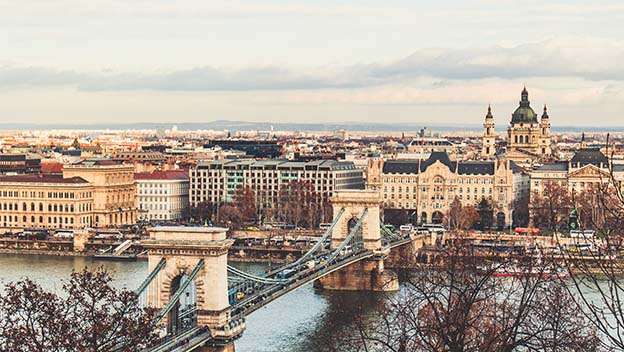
(524, 97)
(489, 113)
(545, 114)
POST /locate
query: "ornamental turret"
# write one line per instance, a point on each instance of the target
(544, 145)
(489, 137)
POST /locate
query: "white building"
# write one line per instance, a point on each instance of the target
(162, 195)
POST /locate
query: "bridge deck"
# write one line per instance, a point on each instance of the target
(269, 292)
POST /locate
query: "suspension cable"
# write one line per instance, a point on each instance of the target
(176, 296)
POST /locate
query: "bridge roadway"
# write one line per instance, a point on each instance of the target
(267, 293)
(271, 292)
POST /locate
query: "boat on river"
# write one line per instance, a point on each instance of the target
(515, 270)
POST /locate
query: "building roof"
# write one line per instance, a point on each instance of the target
(553, 167)
(589, 156)
(281, 164)
(163, 175)
(462, 168)
(438, 156)
(98, 161)
(401, 167)
(475, 168)
(42, 179)
(51, 168)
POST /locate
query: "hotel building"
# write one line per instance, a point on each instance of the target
(217, 180)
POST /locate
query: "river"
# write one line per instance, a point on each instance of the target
(291, 323)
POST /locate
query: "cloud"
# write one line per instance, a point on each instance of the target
(584, 58)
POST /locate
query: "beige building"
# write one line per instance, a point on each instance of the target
(45, 202)
(587, 167)
(528, 139)
(425, 188)
(489, 136)
(114, 190)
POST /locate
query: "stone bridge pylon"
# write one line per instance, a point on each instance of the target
(198, 254)
(368, 274)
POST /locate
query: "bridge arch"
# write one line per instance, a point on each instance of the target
(353, 204)
(199, 254)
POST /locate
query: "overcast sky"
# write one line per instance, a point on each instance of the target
(310, 61)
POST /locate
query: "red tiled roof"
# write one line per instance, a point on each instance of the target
(51, 168)
(42, 179)
(163, 175)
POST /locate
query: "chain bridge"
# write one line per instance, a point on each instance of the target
(203, 301)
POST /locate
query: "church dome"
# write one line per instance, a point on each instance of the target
(524, 113)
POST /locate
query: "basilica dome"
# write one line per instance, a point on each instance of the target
(524, 113)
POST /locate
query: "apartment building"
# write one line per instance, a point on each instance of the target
(217, 180)
(162, 195)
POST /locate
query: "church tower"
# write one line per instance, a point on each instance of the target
(489, 137)
(545, 142)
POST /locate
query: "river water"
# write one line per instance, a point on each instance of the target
(294, 322)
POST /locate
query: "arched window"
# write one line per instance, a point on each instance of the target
(24, 207)
(40, 206)
(24, 217)
(32, 206)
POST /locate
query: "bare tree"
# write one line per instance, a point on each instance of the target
(597, 272)
(461, 217)
(463, 306)
(551, 206)
(89, 316)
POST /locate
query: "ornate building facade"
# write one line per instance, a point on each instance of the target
(114, 190)
(528, 139)
(587, 167)
(426, 188)
(45, 202)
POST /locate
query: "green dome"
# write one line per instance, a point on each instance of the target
(524, 113)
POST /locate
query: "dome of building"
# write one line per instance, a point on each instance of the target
(524, 113)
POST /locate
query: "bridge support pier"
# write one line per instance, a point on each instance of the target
(365, 275)
(406, 256)
(225, 348)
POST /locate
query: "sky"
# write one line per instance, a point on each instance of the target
(443, 61)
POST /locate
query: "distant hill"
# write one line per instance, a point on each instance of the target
(221, 125)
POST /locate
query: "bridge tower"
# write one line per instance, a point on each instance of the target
(369, 274)
(193, 250)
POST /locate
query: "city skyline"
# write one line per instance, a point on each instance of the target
(317, 62)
